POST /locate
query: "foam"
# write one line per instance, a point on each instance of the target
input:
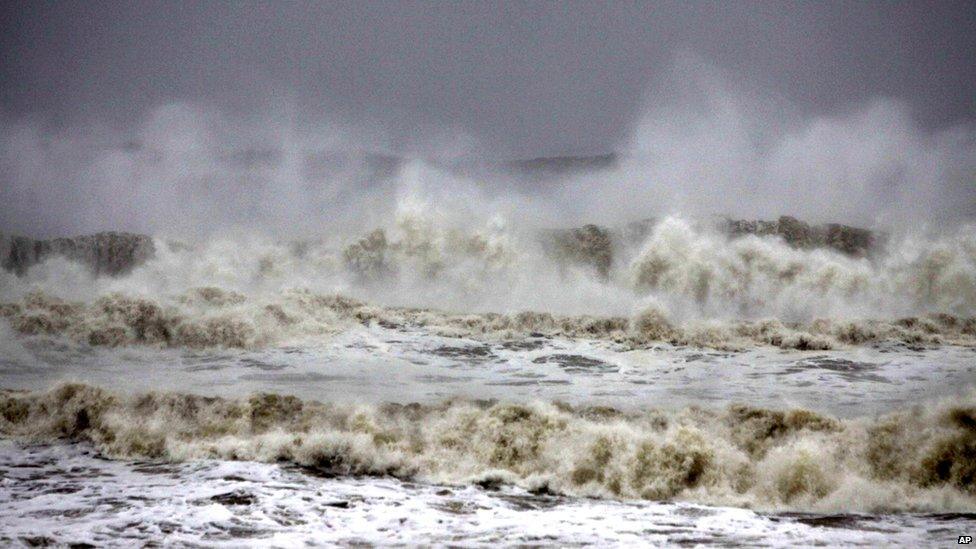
(916, 459)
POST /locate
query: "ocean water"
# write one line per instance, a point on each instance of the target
(473, 386)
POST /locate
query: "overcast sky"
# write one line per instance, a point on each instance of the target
(525, 78)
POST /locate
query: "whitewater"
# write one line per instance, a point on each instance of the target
(748, 327)
(679, 380)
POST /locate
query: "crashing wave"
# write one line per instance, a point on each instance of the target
(756, 276)
(212, 317)
(114, 253)
(916, 460)
(598, 247)
(203, 317)
(702, 280)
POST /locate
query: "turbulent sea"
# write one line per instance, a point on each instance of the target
(671, 382)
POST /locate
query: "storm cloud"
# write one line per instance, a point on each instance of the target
(525, 78)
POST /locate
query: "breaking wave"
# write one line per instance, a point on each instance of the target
(919, 459)
(211, 317)
(675, 280)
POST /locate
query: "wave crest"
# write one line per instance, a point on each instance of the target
(919, 459)
(492, 280)
(211, 317)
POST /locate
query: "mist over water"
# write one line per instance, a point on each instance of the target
(701, 146)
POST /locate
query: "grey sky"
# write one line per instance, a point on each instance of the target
(525, 78)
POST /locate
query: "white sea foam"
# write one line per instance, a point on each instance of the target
(915, 460)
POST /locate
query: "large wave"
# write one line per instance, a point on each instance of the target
(920, 459)
(675, 280)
